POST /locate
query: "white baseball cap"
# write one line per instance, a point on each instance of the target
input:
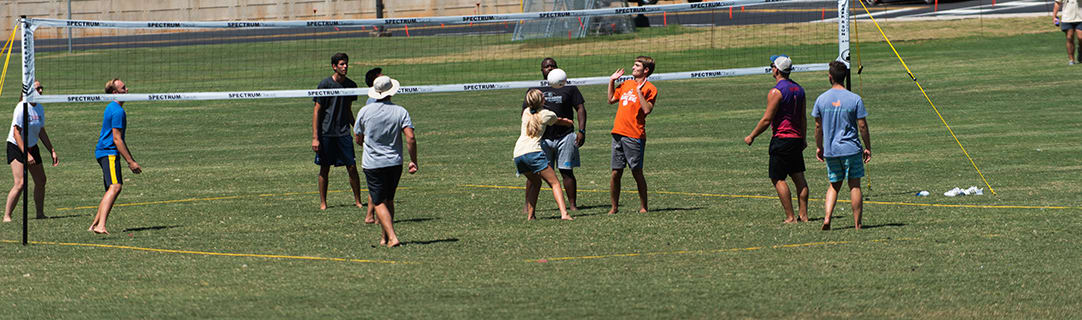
(782, 62)
(383, 87)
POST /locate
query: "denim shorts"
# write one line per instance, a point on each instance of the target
(532, 162)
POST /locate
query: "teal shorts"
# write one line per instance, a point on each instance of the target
(847, 167)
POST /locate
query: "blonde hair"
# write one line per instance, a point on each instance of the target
(110, 87)
(534, 100)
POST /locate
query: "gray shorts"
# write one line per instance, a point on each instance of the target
(627, 152)
(562, 153)
(1070, 25)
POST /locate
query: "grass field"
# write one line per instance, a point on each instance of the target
(224, 221)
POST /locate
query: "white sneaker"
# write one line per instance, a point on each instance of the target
(955, 192)
(974, 191)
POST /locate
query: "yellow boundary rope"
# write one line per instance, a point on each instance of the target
(7, 46)
(910, 73)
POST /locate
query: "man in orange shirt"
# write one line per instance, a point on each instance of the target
(636, 100)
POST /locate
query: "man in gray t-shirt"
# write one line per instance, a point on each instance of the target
(331, 119)
(381, 129)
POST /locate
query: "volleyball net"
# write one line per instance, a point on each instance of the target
(190, 60)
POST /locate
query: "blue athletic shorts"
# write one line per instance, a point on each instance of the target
(110, 170)
(336, 151)
(383, 183)
(532, 162)
(846, 167)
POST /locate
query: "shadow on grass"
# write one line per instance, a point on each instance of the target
(65, 216)
(674, 209)
(415, 220)
(891, 225)
(430, 241)
(149, 228)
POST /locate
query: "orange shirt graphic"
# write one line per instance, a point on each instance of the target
(630, 120)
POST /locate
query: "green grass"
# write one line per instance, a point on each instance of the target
(470, 252)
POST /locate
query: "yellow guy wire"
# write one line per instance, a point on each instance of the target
(927, 98)
(7, 46)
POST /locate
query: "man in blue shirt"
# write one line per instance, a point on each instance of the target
(331, 137)
(839, 114)
(110, 143)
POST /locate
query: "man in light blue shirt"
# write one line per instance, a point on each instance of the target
(839, 114)
(381, 128)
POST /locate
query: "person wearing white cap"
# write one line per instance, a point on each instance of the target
(380, 128)
(785, 114)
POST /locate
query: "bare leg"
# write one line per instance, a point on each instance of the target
(614, 190)
(831, 199)
(370, 213)
(640, 183)
(38, 173)
(533, 189)
(383, 215)
(570, 185)
(856, 198)
(1078, 56)
(557, 192)
(322, 181)
(355, 184)
(1070, 44)
(390, 208)
(16, 189)
(786, 198)
(802, 194)
(104, 207)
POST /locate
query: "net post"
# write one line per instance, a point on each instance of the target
(28, 90)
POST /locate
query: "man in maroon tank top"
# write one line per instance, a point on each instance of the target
(785, 113)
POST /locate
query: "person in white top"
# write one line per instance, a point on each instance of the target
(529, 158)
(36, 132)
(1068, 15)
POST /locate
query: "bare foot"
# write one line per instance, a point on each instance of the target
(359, 205)
(642, 210)
(369, 220)
(804, 218)
(567, 217)
(790, 220)
(614, 210)
(393, 243)
(7, 219)
(573, 207)
(91, 229)
(382, 242)
(857, 227)
(826, 226)
(41, 216)
(323, 206)
(531, 217)
(102, 231)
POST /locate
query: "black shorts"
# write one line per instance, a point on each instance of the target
(382, 183)
(14, 154)
(110, 170)
(336, 151)
(786, 157)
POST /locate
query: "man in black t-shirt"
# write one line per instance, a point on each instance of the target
(332, 138)
(561, 144)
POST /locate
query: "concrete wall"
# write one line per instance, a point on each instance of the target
(222, 10)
